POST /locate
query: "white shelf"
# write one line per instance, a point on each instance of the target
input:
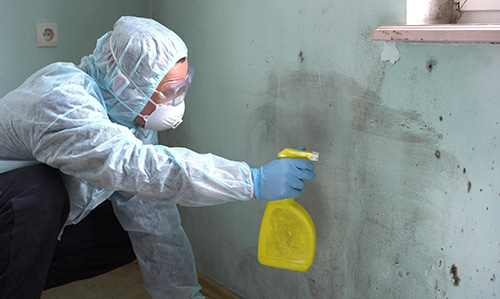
(476, 33)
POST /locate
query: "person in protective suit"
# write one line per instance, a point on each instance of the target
(84, 185)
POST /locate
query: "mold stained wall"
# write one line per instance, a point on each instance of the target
(80, 24)
(407, 194)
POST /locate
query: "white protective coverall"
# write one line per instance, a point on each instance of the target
(72, 119)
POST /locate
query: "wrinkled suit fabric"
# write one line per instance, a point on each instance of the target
(73, 118)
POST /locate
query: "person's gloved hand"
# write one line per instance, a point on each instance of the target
(282, 178)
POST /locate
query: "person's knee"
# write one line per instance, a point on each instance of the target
(42, 189)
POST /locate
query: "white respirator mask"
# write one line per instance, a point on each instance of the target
(166, 116)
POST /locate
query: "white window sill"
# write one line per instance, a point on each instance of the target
(475, 33)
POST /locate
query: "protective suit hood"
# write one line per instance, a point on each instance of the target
(146, 50)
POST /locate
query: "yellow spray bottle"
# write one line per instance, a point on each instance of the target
(287, 237)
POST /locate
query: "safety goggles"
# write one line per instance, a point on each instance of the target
(176, 90)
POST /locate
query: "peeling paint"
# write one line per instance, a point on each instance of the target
(390, 53)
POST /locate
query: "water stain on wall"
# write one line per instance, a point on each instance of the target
(384, 182)
(263, 126)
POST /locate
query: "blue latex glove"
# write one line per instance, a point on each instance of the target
(282, 178)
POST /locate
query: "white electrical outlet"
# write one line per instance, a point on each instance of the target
(47, 35)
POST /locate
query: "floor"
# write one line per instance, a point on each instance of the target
(122, 283)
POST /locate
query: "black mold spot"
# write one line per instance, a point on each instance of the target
(465, 170)
(430, 64)
(301, 56)
(438, 154)
(440, 118)
(469, 187)
(454, 273)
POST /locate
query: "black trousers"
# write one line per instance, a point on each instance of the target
(33, 208)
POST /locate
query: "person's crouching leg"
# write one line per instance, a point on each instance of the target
(34, 205)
